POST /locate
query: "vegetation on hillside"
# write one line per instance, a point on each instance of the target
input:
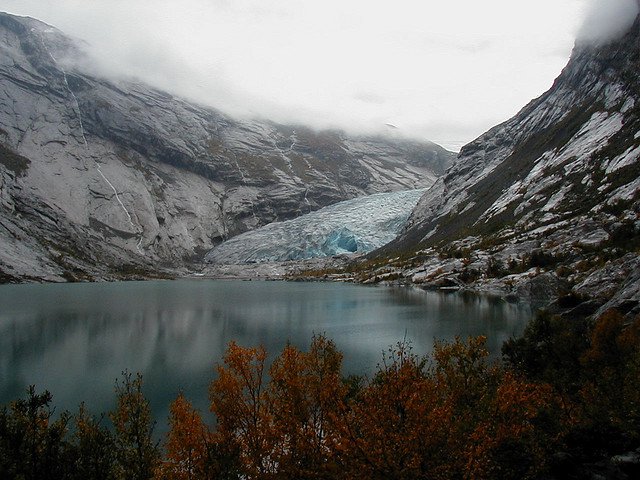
(566, 396)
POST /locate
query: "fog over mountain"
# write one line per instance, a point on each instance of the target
(607, 20)
(444, 71)
(148, 176)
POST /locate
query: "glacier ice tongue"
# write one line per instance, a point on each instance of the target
(358, 225)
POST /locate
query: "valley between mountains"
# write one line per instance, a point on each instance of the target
(103, 179)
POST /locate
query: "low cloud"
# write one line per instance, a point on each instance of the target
(607, 20)
(445, 71)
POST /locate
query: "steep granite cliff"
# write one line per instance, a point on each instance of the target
(569, 155)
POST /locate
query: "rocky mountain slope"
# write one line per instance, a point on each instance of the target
(545, 205)
(98, 177)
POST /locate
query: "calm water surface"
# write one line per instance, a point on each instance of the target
(76, 339)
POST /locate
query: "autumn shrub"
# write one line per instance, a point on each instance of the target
(281, 426)
(238, 400)
(495, 414)
(453, 415)
(304, 393)
(381, 428)
(187, 445)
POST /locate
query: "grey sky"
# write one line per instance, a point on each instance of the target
(444, 71)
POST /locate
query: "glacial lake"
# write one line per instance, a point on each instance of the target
(76, 339)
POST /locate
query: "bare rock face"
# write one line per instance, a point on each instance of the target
(617, 285)
(99, 174)
(570, 155)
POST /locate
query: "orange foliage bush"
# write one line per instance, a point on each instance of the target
(239, 402)
(304, 395)
(454, 416)
(187, 443)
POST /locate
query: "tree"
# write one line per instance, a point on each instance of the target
(549, 351)
(456, 416)
(593, 366)
(610, 388)
(187, 444)
(94, 455)
(494, 413)
(137, 453)
(32, 445)
(238, 401)
(383, 427)
(303, 396)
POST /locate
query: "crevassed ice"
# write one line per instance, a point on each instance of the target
(359, 225)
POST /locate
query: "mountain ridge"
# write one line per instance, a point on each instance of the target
(546, 124)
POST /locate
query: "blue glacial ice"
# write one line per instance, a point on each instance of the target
(359, 225)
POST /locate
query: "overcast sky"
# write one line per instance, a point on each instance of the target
(443, 70)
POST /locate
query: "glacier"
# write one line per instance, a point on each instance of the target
(358, 225)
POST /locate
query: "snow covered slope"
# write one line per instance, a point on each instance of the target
(358, 225)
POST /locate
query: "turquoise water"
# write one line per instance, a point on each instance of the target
(76, 339)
